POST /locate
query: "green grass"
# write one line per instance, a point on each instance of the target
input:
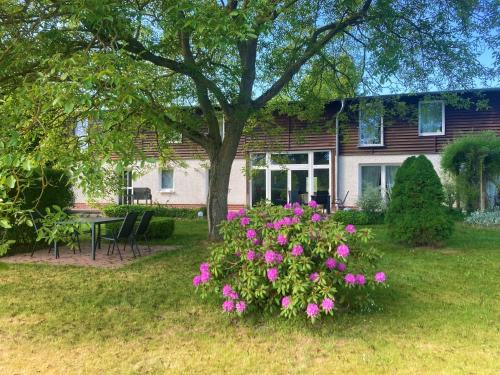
(440, 315)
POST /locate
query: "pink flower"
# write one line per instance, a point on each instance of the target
(272, 274)
(297, 250)
(242, 211)
(380, 277)
(269, 225)
(343, 250)
(269, 256)
(330, 263)
(233, 295)
(205, 277)
(298, 211)
(285, 302)
(228, 306)
(250, 255)
(244, 221)
(278, 258)
(341, 267)
(227, 290)
(287, 221)
(350, 278)
(312, 310)
(315, 218)
(255, 241)
(350, 228)
(287, 206)
(314, 276)
(241, 306)
(197, 280)
(295, 220)
(282, 240)
(327, 305)
(277, 225)
(312, 204)
(231, 215)
(360, 279)
(251, 233)
(204, 268)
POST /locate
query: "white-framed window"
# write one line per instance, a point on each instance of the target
(431, 117)
(371, 128)
(166, 180)
(290, 176)
(377, 176)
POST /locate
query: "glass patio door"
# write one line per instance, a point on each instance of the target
(299, 185)
(279, 187)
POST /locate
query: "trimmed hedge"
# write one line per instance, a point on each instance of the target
(160, 228)
(351, 217)
(121, 210)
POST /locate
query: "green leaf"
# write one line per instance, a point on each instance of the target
(68, 107)
(4, 223)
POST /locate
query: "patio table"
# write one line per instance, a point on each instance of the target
(93, 222)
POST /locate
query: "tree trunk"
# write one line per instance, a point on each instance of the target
(218, 188)
(481, 186)
(221, 160)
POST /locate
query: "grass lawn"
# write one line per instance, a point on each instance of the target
(440, 315)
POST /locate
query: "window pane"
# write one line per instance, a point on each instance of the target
(390, 175)
(370, 129)
(371, 177)
(321, 181)
(289, 158)
(167, 179)
(431, 117)
(279, 187)
(322, 158)
(258, 186)
(258, 160)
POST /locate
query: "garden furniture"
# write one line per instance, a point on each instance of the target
(124, 233)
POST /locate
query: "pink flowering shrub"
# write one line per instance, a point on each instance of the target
(293, 260)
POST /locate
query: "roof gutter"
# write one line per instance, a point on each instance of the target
(337, 152)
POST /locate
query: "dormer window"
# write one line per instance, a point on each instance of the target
(371, 128)
(431, 118)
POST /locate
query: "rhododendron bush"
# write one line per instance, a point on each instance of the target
(292, 260)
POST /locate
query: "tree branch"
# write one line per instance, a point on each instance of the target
(315, 43)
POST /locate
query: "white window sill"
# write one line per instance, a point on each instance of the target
(377, 145)
(166, 191)
(430, 134)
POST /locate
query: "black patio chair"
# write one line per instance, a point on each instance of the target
(340, 203)
(124, 233)
(140, 231)
(322, 198)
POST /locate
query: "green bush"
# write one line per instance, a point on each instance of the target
(160, 228)
(291, 261)
(373, 205)
(485, 218)
(116, 210)
(58, 191)
(351, 217)
(456, 214)
(416, 214)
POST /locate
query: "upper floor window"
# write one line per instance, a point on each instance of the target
(431, 117)
(371, 128)
(167, 180)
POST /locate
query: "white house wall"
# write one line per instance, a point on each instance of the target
(190, 185)
(349, 171)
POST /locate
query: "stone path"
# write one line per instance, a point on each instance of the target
(83, 259)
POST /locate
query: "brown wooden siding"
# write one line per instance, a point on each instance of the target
(401, 136)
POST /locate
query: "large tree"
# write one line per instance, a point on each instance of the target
(175, 65)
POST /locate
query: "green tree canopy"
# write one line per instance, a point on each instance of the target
(170, 66)
(473, 160)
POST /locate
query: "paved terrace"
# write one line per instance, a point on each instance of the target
(83, 259)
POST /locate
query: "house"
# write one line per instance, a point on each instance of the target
(306, 158)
